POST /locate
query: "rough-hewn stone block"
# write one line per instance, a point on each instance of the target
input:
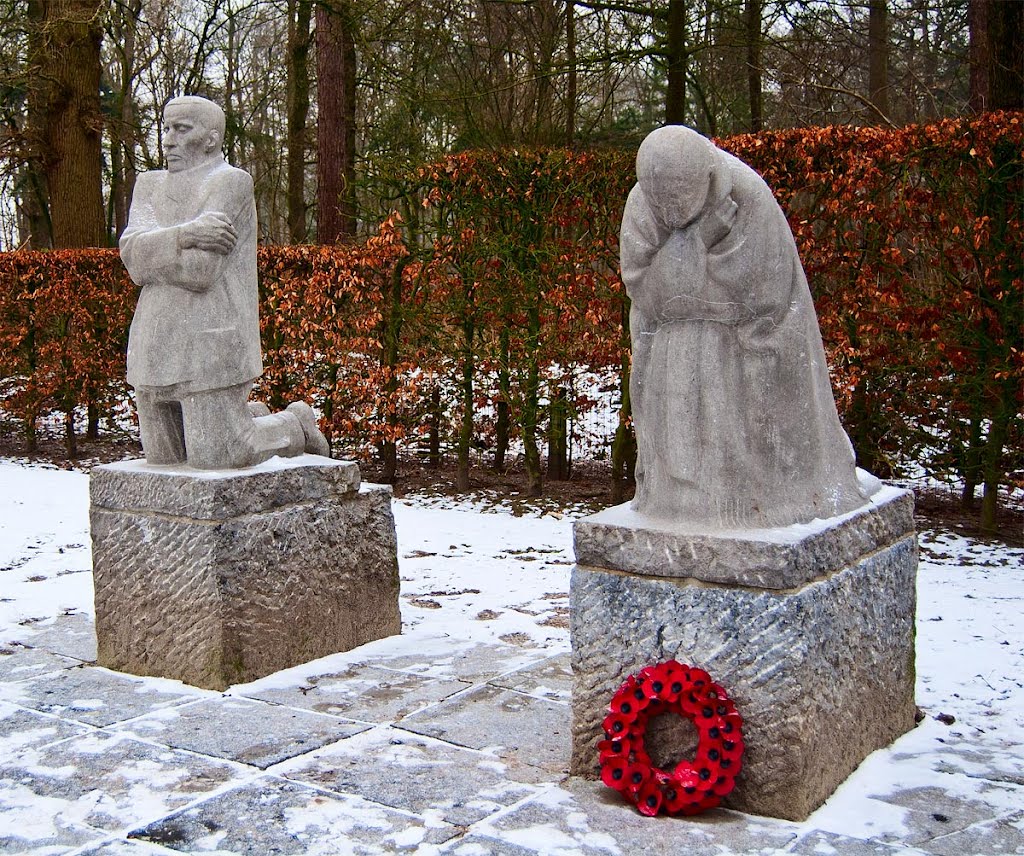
(823, 672)
(221, 578)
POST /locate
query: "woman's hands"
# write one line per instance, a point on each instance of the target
(716, 224)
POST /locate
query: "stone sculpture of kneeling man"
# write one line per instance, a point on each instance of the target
(194, 346)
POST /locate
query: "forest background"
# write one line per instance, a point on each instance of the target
(439, 188)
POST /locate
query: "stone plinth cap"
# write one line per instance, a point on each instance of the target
(619, 539)
(220, 495)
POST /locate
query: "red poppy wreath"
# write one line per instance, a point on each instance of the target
(694, 785)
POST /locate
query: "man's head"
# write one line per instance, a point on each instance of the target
(674, 168)
(193, 132)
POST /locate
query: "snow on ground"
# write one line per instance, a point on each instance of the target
(484, 577)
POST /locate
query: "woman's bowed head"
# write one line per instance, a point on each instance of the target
(685, 183)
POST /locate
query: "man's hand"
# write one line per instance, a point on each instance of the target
(212, 232)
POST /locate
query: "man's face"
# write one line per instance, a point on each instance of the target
(187, 142)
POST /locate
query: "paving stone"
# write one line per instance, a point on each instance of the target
(365, 693)
(19, 661)
(96, 696)
(480, 845)
(936, 811)
(273, 816)
(583, 817)
(416, 774)
(518, 728)
(475, 662)
(820, 843)
(551, 678)
(985, 756)
(109, 782)
(25, 729)
(71, 635)
(991, 838)
(26, 831)
(123, 848)
(250, 732)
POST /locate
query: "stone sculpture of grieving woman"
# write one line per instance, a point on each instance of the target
(735, 420)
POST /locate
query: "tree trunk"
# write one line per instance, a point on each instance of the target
(971, 466)
(299, 14)
(70, 441)
(466, 428)
(571, 95)
(336, 122)
(544, 128)
(35, 232)
(434, 432)
(501, 428)
(675, 96)
(1006, 75)
(230, 74)
(993, 469)
(391, 339)
(558, 436)
(122, 131)
(531, 403)
(752, 14)
(92, 430)
(72, 125)
(980, 54)
(878, 57)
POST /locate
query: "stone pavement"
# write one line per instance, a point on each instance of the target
(461, 750)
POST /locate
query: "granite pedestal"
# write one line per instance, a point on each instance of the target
(810, 628)
(219, 578)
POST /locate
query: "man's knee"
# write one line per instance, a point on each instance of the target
(222, 446)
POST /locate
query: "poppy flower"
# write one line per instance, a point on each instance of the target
(626, 688)
(640, 755)
(723, 786)
(700, 679)
(626, 705)
(613, 773)
(637, 775)
(731, 726)
(662, 777)
(690, 703)
(616, 725)
(655, 679)
(616, 748)
(693, 807)
(686, 778)
(723, 706)
(709, 755)
(648, 799)
(675, 798)
(732, 749)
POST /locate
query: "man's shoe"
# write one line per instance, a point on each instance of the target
(316, 442)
